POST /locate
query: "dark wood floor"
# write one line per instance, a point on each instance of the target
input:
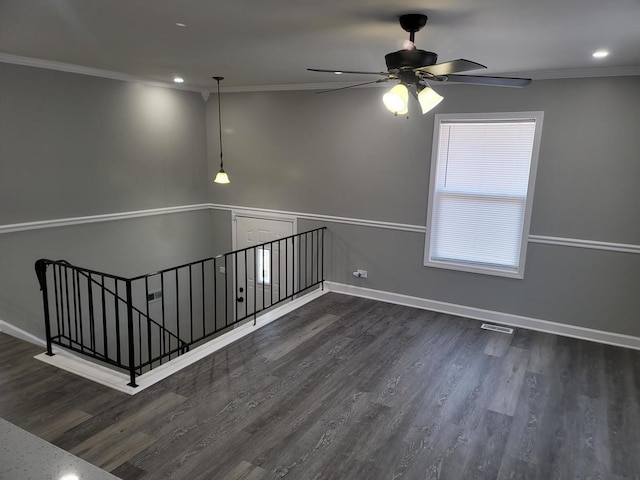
(348, 388)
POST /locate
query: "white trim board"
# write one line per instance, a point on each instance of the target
(9, 329)
(404, 227)
(96, 72)
(599, 336)
(107, 217)
(118, 380)
(205, 90)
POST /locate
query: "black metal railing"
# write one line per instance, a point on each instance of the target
(141, 322)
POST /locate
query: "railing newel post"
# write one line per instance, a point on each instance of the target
(41, 273)
(131, 345)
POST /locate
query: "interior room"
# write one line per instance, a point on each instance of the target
(107, 162)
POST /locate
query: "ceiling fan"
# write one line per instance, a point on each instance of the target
(415, 69)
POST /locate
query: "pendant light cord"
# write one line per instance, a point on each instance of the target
(219, 119)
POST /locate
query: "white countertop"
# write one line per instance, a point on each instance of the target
(23, 456)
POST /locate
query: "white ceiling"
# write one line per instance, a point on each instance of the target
(268, 43)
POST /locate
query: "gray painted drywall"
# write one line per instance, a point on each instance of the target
(125, 247)
(74, 145)
(343, 154)
(574, 286)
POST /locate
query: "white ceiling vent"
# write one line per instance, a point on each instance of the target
(497, 328)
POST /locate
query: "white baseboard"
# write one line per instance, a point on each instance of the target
(609, 338)
(66, 360)
(21, 334)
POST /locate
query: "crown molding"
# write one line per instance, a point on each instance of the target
(205, 91)
(96, 72)
(577, 73)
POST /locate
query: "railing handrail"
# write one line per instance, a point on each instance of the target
(222, 255)
(159, 272)
(301, 255)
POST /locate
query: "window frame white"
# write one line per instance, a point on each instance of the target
(518, 272)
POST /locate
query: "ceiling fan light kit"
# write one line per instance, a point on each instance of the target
(397, 99)
(414, 69)
(428, 99)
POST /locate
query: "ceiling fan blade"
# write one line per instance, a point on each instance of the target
(491, 81)
(337, 72)
(460, 65)
(382, 80)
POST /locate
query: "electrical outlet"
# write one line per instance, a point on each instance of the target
(360, 274)
(156, 295)
(223, 270)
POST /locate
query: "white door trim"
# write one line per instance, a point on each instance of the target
(235, 213)
(252, 214)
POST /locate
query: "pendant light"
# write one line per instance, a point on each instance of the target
(221, 176)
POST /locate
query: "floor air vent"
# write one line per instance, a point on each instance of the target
(497, 328)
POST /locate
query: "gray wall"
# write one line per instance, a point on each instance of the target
(343, 154)
(75, 145)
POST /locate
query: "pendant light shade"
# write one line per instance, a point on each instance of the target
(428, 99)
(397, 99)
(221, 176)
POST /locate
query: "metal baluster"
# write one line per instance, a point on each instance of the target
(132, 367)
(204, 328)
(56, 273)
(226, 293)
(322, 259)
(177, 314)
(117, 307)
(104, 319)
(146, 296)
(190, 304)
(163, 332)
(77, 281)
(92, 330)
(66, 291)
(235, 286)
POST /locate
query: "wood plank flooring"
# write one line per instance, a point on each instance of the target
(349, 388)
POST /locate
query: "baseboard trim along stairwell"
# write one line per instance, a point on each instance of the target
(599, 336)
(9, 329)
(118, 380)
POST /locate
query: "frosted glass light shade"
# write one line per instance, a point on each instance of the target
(397, 99)
(222, 177)
(428, 99)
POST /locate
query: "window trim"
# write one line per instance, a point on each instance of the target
(518, 272)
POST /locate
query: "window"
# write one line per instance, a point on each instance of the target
(263, 268)
(483, 169)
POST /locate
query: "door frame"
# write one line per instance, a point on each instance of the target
(235, 213)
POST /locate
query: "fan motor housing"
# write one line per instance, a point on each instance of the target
(410, 59)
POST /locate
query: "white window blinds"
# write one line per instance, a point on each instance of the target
(479, 190)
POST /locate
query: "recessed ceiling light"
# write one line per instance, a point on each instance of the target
(180, 24)
(338, 73)
(600, 54)
(178, 80)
